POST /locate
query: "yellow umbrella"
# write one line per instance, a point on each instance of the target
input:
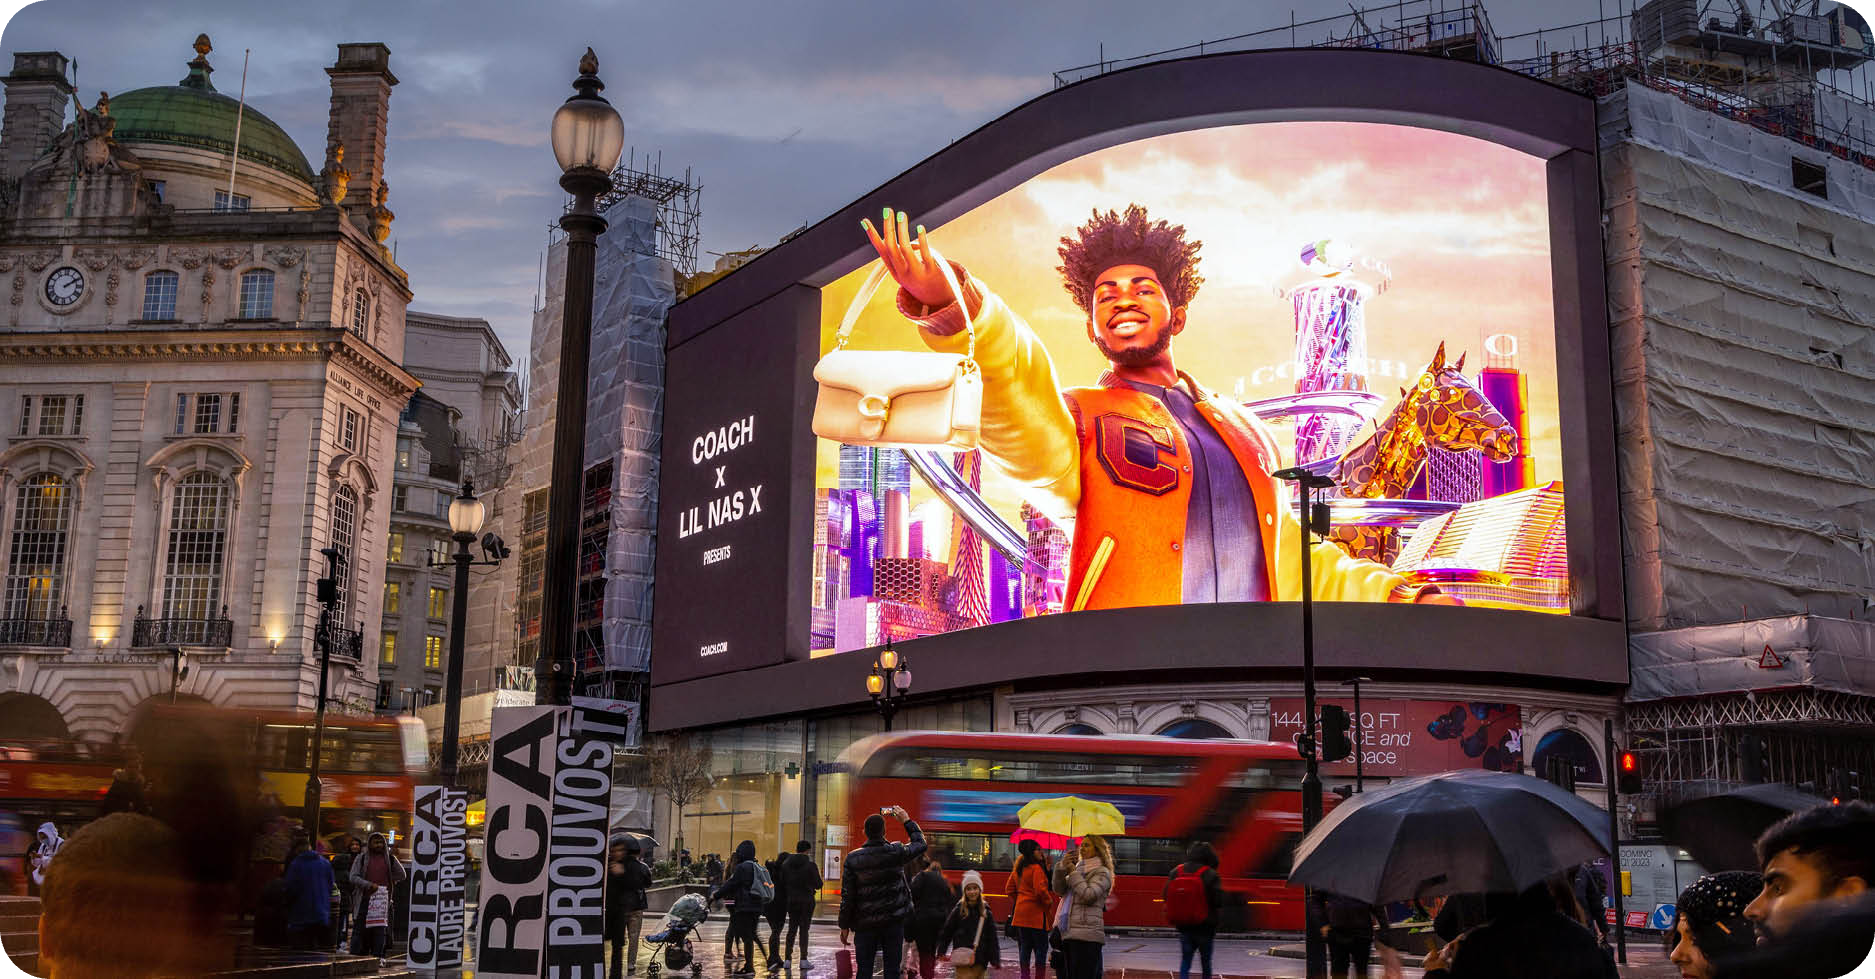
(1071, 817)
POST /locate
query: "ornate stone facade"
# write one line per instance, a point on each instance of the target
(190, 419)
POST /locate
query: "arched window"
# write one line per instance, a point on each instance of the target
(344, 540)
(361, 314)
(1570, 744)
(1192, 727)
(198, 547)
(159, 295)
(42, 523)
(257, 295)
(1082, 729)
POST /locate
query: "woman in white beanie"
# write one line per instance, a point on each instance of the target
(970, 934)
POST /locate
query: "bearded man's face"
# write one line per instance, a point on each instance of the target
(1132, 320)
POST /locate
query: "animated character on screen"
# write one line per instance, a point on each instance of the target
(1169, 486)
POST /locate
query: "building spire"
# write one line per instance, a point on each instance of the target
(199, 69)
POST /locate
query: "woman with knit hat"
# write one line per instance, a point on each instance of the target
(969, 934)
(1709, 923)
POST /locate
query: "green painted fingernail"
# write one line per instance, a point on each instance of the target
(921, 231)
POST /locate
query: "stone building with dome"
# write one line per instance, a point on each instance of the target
(200, 351)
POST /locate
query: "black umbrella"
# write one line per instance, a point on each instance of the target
(1452, 833)
(1720, 828)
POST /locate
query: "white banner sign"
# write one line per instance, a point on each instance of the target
(513, 915)
(438, 874)
(620, 713)
(582, 790)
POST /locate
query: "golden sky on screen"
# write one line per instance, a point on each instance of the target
(1462, 224)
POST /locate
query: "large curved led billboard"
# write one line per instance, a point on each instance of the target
(1171, 284)
(1162, 325)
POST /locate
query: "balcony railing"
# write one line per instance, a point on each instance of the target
(55, 632)
(347, 643)
(145, 631)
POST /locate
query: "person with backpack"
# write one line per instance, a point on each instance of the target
(1028, 923)
(968, 934)
(748, 888)
(1193, 895)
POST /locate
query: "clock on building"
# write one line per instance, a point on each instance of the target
(65, 286)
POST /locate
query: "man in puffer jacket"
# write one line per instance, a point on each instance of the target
(874, 901)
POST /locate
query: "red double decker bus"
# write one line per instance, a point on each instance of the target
(1243, 797)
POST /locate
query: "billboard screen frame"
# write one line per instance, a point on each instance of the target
(1489, 103)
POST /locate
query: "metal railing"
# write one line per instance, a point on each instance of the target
(146, 631)
(55, 632)
(347, 643)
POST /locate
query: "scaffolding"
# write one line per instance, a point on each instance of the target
(1796, 75)
(679, 202)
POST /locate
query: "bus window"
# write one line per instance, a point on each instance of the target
(971, 851)
(1146, 856)
(1060, 767)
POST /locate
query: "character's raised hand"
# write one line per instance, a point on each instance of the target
(914, 264)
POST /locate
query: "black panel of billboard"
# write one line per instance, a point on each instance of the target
(732, 460)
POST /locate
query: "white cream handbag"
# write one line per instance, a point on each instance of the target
(899, 398)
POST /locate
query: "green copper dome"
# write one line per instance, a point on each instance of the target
(192, 113)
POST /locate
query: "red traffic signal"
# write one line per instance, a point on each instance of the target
(1630, 769)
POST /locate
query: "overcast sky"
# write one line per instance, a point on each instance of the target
(783, 111)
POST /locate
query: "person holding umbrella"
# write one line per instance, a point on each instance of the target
(1815, 915)
(1084, 879)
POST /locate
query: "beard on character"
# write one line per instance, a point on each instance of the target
(1135, 356)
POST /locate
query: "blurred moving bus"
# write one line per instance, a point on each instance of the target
(369, 766)
(1243, 797)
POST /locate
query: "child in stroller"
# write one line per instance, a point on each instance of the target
(685, 917)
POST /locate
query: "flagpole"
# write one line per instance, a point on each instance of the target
(239, 110)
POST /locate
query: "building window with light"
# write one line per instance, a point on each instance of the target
(257, 295)
(387, 649)
(393, 598)
(42, 525)
(439, 602)
(159, 296)
(432, 652)
(208, 413)
(197, 547)
(397, 547)
(344, 537)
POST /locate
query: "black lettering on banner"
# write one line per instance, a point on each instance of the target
(517, 852)
(436, 889)
(582, 793)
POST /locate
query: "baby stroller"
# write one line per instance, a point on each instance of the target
(673, 945)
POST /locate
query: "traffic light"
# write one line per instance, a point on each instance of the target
(1754, 756)
(1336, 745)
(1629, 771)
(1844, 786)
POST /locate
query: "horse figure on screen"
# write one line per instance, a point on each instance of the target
(1441, 409)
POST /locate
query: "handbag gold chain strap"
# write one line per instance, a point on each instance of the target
(871, 285)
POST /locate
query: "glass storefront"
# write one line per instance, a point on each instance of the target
(775, 784)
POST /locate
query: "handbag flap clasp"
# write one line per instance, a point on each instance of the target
(889, 373)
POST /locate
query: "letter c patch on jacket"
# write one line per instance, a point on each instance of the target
(1130, 450)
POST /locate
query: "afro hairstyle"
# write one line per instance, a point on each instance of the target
(1133, 238)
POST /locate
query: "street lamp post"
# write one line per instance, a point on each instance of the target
(328, 595)
(888, 683)
(1315, 950)
(466, 514)
(1360, 731)
(587, 138)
